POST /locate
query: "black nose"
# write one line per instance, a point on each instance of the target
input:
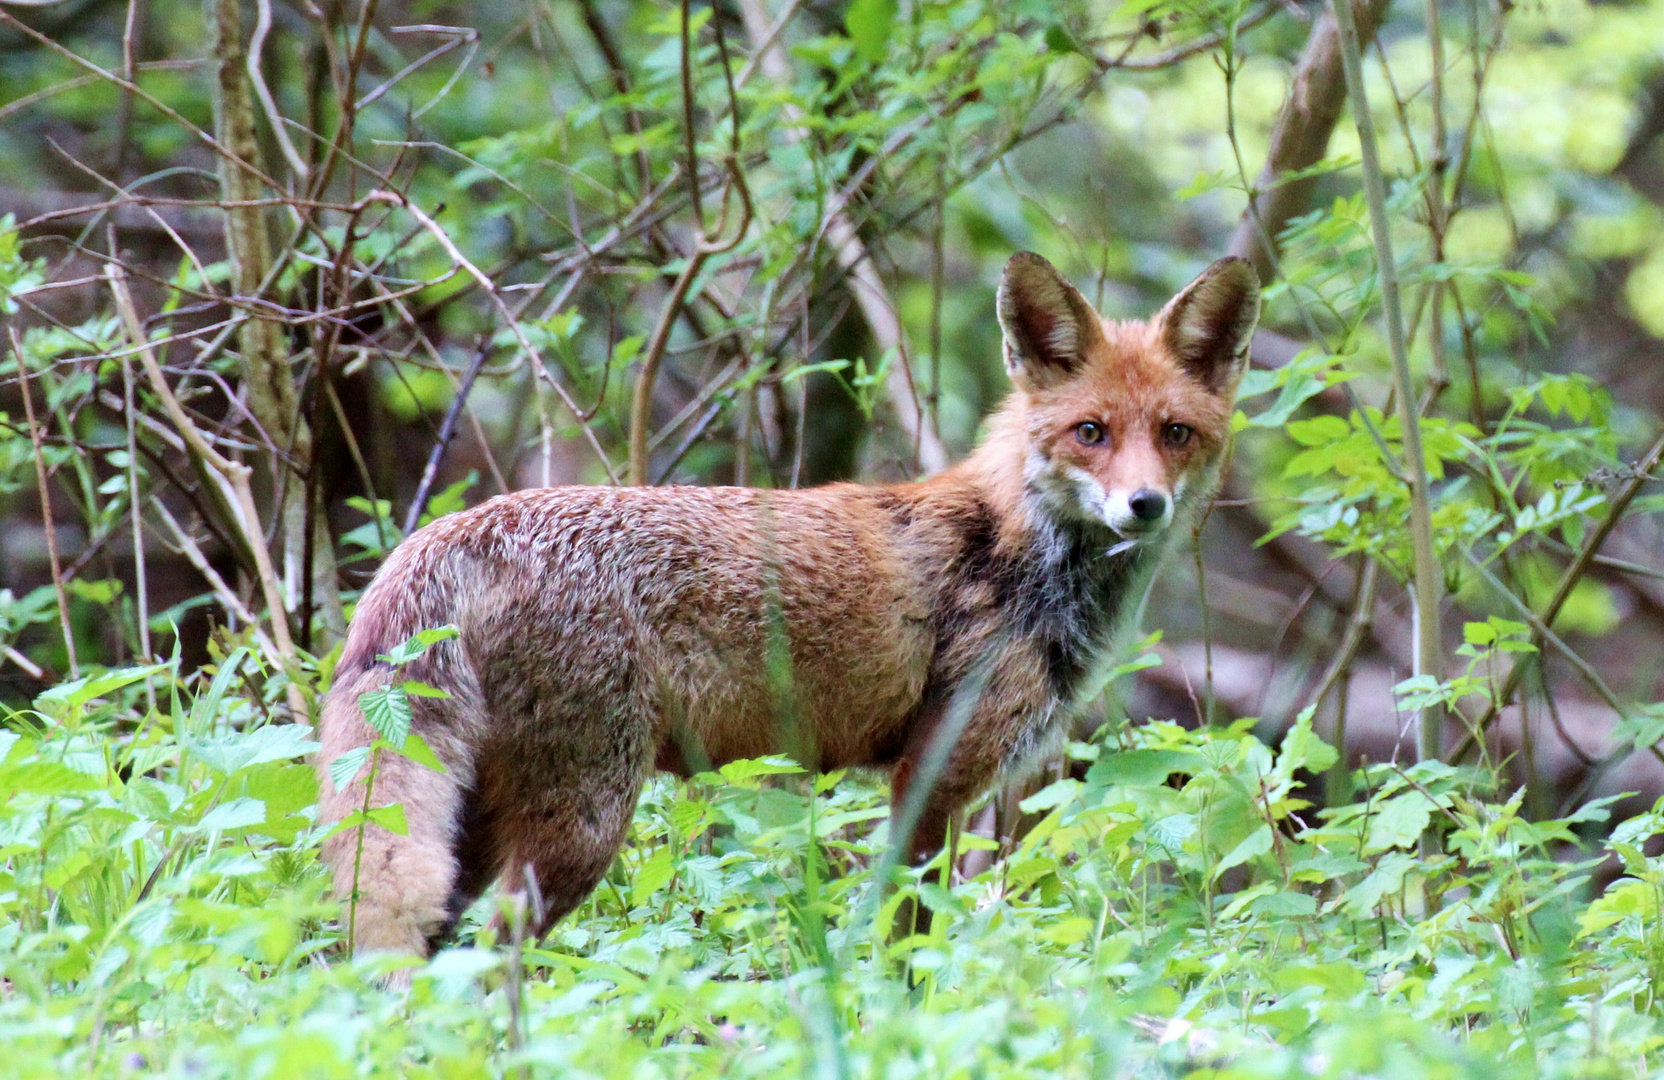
(1147, 505)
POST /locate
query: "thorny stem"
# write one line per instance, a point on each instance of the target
(1426, 583)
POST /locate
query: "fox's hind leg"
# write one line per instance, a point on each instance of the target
(561, 792)
(562, 844)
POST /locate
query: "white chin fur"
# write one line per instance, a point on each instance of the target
(1077, 492)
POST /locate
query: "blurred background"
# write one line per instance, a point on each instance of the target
(283, 279)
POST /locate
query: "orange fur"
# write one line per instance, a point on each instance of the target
(608, 631)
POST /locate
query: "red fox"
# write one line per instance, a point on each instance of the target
(605, 632)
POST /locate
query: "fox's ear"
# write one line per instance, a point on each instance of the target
(1209, 324)
(1048, 324)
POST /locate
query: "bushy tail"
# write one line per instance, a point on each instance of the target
(396, 889)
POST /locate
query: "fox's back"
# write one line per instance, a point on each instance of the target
(730, 610)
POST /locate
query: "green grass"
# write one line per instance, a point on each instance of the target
(1179, 912)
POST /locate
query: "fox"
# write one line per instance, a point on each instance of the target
(608, 632)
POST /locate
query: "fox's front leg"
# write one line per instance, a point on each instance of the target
(975, 732)
(971, 761)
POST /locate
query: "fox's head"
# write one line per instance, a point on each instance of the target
(1125, 420)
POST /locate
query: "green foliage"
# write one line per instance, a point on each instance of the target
(1179, 907)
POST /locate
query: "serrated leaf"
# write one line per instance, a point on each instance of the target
(1171, 832)
(417, 749)
(1399, 822)
(419, 643)
(236, 814)
(273, 742)
(745, 772)
(389, 817)
(345, 768)
(1361, 900)
(387, 710)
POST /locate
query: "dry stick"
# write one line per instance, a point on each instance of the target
(1563, 589)
(642, 398)
(447, 431)
(274, 118)
(233, 476)
(133, 505)
(45, 504)
(35, 670)
(1426, 584)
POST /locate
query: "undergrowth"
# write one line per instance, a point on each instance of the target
(1180, 909)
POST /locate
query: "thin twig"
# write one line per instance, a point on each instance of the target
(45, 503)
(233, 475)
(1568, 581)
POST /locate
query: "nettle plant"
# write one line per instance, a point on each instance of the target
(388, 710)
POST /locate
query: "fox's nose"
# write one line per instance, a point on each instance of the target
(1147, 504)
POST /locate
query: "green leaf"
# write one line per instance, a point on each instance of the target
(744, 773)
(1171, 832)
(1285, 904)
(345, 768)
(653, 875)
(1254, 845)
(389, 817)
(1141, 768)
(44, 778)
(1051, 796)
(417, 749)
(388, 711)
(1388, 877)
(1303, 748)
(422, 689)
(236, 814)
(72, 695)
(1399, 822)
(272, 742)
(870, 23)
(419, 643)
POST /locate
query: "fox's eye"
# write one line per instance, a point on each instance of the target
(1090, 433)
(1177, 434)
